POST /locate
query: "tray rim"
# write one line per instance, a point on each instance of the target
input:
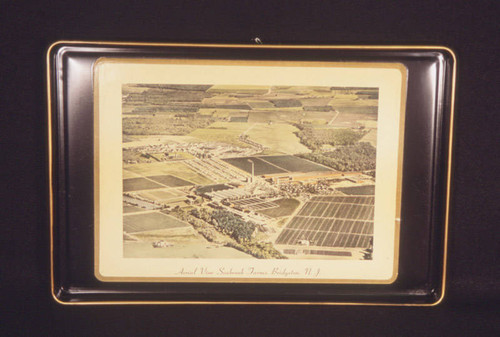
(449, 168)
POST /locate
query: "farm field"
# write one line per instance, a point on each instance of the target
(355, 118)
(131, 209)
(170, 180)
(261, 167)
(275, 164)
(128, 174)
(332, 221)
(222, 132)
(358, 190)
(182, 250)
(362, 200)
(255, 204)
(278, 137)
(274, 115)
(294, 164)
(162, 194)
(177, 169)
(330, 239)
(285, 207)
(144, 222)
(137, 184)
(337, 210)
(337, 225)
(370, 137)
(255, 105)
(131, 141)
(176, 235)
(240, 89)
(357, 108)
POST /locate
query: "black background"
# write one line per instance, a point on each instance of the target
(471, 28)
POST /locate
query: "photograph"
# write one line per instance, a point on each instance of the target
(246, 171)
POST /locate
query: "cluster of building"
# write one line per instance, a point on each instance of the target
(215, 169)
(315, 177)
(134, 200)
(258, 147)
(231, 192)
(199, 150)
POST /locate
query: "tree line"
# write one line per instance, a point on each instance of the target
(314, 138)
(358, 157)
(236, 228)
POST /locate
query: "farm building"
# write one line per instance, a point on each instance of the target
(313, 177)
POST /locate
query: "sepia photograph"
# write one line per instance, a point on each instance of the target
(248, 170)
(235, 171)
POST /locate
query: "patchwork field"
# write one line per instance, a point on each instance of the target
(177, 169)
(154, 182)
(332, 221)
(176, 140)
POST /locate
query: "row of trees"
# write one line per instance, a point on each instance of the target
(261, 250)
(235, 227)
(232, 225)
(197, 222)
(358, 157)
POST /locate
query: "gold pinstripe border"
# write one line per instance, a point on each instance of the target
(349, 47)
